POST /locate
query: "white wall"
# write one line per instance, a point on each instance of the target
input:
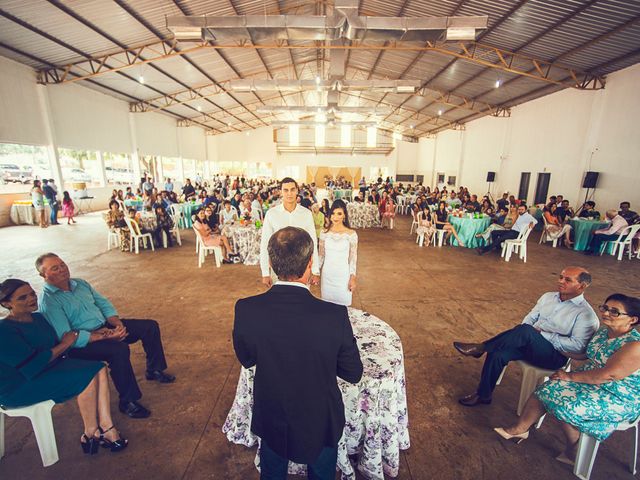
(20, 117)
(565, 134)
(156, 134)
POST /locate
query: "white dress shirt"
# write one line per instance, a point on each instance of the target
(277, 218)
(618, 223)
(523, 222)
(567, 325)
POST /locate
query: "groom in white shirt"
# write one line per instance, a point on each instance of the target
(287, 214)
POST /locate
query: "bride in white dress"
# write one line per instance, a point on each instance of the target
(338, 254)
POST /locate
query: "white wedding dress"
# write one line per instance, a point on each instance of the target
(338, 254)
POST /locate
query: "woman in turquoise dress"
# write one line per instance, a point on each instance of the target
(33, 368)
(599, 395)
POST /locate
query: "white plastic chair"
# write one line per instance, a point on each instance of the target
(441, 235)
(137, 236)
(517, 245)
(202, 250)
(40, 416)
(531, 378)
(588, 448)
(175, 210)
(620, 244)
(112, 237)
(545, 236)
(175, 229)
(414, 223)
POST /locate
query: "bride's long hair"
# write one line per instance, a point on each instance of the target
(338, 205)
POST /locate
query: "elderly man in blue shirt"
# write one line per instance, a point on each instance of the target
(73, 304)
(560, 324)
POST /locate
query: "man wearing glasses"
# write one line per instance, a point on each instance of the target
(560, 324)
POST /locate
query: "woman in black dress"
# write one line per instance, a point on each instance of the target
(33, 368)
(442, 223)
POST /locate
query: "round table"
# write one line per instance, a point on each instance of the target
(363, 215)
(583, 231)
(376, 426)
(23, 213)
(246, 241)
(131, 203)
(468, 228)
(187, 209)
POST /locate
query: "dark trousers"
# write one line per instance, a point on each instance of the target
(274, 467)
(499, 236)
(157, 236)
(598, 239)
(53, 206)
(116, 354)
(523, 342)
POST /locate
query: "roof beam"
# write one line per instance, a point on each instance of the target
(629, 23)
(127, 8)
(530, 41)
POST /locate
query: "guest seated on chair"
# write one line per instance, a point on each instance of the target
(211, 219)
(629, 215)
(212, 239)
(165, 224)
(425, 226)
(554, 228)
(33, 368)
(248, 213)
(228, 215)
(618, 224)
(564, 211)
(73, 304)
(589, 211)
(442, 223)
(601, 394)
(561, 323)
(501, 221)
(525, 220)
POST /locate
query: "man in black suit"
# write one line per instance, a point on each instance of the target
(299, 344)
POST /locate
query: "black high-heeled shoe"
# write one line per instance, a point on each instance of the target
(116, 446)
(89, 445)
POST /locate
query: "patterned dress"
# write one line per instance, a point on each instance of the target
(595, 409)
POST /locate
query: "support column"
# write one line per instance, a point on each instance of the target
(103, 172)
(50, 134)
(135, 154)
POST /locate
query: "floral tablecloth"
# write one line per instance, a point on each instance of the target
(377, 421)
(363, 215)
(246, 241)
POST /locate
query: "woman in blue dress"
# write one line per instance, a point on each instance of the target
(599, 395)
(33, 368)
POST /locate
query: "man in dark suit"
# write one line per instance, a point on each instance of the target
(298, 344)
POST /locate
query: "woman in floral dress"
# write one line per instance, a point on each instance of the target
(425, 229)
(596, 397)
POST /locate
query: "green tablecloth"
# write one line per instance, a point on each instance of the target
(583, 231)
(467, 229)
(187, 209)
(341, 193)
(137, 204)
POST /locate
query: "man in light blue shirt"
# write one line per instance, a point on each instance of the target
(498, 236)
(73, 304)
(560, 324)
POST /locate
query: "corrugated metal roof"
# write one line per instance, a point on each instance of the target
(581, 34)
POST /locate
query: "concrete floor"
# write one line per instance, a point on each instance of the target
(430, 296)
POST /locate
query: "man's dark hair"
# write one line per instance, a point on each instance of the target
(631, 304)
(628, 204)
(584, 277)
(591, 203)
(290, 250)
(523, 205)
(504, 209)
(288, 180)
(45, 181)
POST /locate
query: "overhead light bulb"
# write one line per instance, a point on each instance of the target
(497, 85)
(440, 112)
(229, 124)
(199, 108)
(247, 134)
(317, 80)
(141, 79)
(411, 127)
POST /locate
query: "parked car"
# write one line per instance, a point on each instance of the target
(119, 175)
(76, 175)
(10, 172)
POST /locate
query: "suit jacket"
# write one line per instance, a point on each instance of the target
(299, 344)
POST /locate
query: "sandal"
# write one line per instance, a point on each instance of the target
(89, 445)
(116, 446)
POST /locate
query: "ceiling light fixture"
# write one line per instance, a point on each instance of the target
(317, 80)
(497, 84)
(199, 108)
(439, 112)
(141, 79)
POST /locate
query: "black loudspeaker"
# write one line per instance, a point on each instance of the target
(491, 176)
(590, 180)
